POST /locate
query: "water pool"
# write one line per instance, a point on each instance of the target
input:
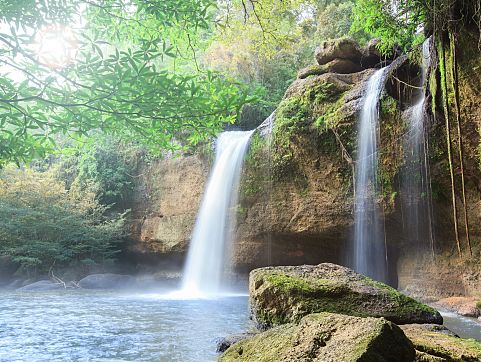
(113, 326)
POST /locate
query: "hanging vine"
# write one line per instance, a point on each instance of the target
(455, 85)
(444, 91)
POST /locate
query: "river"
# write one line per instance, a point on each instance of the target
(113, 326)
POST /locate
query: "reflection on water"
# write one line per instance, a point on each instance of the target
(110, 326)
(463, 326)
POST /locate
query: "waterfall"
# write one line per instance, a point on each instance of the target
(415, 180)
(213, 228)
(369, 248)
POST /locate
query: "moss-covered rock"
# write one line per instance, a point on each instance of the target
(437, 344)
(326, 337)
(285, 294)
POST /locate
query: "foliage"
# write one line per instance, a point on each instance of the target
(335, 21)
(116, 72)
(42, 224)
(395, 23)
(404, 22)
(103, 165)
(278, 37)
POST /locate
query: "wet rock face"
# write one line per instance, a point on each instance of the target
(301, 214)
(285, 294)
(326, 337)
(167, 199)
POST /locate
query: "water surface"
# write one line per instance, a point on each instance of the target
(464, 327)
(113, 326)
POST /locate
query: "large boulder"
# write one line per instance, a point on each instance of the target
(340, 66)
(343, 48)
(326, 337)
(107, 281)
(285, 294)
(436, 343)
(41, 285)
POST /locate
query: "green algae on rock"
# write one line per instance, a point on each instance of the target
(435, 343)
(326, 337)
(286, 294)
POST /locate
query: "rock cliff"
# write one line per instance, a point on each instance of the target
(296, 195)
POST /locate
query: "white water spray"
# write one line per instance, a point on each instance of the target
(213, 229)
(369, 249)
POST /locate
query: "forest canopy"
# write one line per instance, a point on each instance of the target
(170, 74)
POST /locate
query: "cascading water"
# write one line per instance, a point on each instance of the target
(369, 249)
(212, 232)
(416, 183)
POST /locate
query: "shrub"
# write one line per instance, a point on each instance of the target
(42, 224)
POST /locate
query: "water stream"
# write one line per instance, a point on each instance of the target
(465, 327)
(416, 180)
(369, 250)
(206, 260)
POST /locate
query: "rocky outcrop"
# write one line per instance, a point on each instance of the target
(435, 343)
(107, 281)
(167, 199)
(326, 337)
(294, 203)
(345, 56)
(343, 48)
(341, 66)
(465, 306)
(285, 294)
(41, 285)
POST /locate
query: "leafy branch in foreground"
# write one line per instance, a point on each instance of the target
(112, 75)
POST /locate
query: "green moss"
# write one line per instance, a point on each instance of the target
(329, 117)
(297, 296)
(254, 177)
(405, 304)
(391, 153)
(314, 105)
(389, 106)
(433, 89)
(290, 284)
(445, 346)
(478, 304)
(315, 69)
